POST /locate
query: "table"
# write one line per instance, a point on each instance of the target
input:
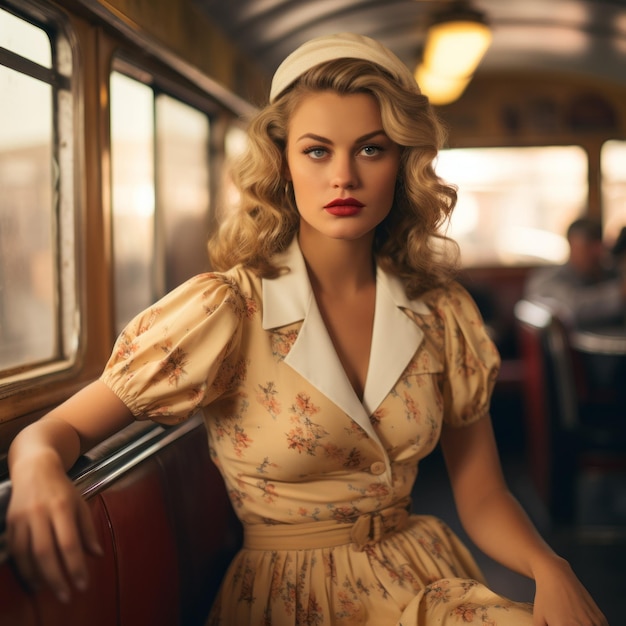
(610, 340)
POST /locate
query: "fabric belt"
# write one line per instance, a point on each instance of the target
(364, 531)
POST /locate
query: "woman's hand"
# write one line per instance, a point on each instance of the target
(49, 526)
(561, 599)
(498, 525)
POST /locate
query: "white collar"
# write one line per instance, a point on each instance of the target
(289, 298)
(286, 298)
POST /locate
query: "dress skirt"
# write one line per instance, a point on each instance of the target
(420, 575)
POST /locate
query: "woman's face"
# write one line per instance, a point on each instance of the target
(342, 165)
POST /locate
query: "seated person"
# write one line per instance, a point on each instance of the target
(587, 290)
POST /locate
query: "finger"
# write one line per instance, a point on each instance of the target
(70, 546)
(46, 557)
(18, 544)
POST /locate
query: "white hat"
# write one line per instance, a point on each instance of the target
(339, 46)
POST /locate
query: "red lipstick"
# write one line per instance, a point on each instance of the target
(344, 207)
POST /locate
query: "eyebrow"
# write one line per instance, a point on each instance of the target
(321, 139)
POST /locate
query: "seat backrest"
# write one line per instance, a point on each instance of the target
(550, 404)
(549, 370)
(166, 526)
(531, 324)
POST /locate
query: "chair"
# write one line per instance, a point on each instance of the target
(568, 430)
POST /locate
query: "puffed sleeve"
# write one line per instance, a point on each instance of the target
(472, 360)
(182, 352)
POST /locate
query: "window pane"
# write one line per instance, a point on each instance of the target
(132, 172)
(235, 140)
(183, 187)
(613, 158)
(27, 222)
(515, 203)
(24, 39)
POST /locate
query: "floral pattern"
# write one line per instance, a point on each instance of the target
(289, 455)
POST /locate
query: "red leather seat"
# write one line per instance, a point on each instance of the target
(168, 533)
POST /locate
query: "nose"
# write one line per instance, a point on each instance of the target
(345, 173)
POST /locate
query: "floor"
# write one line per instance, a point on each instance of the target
(595, 545)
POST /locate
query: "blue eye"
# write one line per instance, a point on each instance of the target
(316, 153)
(371, 150)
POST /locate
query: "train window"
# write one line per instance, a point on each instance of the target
(38, 310)
(183, 139)
(515, 203)
(132, 195)
(235, 139)
(160, 193)
(613, 157)
(24, 39)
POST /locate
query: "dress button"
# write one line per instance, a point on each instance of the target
(377, 468)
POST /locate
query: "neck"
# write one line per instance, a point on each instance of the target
(338, 266)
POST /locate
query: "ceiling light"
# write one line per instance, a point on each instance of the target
(440, 89)
(456, 42)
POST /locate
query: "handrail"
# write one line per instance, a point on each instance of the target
(106, 462)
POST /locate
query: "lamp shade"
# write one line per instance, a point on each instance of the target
(440, 89)
(456, 42)
(456, 47)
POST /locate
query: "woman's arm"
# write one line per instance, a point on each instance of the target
(49, 526)
(496, 523)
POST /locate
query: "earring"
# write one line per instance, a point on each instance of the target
(290, 196)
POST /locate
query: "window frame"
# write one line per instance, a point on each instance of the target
(99, 41)
(66, 210)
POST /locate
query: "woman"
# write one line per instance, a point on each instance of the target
(330, 354)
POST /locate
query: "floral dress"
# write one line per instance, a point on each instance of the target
(320, 478)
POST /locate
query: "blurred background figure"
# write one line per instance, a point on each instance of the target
(588, 290)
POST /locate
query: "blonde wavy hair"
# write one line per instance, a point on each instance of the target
(410, 243)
